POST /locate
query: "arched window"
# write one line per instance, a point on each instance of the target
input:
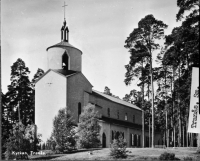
(135, 140)
(117, 135)
(108, 112)
(65, 61)
(79, 110)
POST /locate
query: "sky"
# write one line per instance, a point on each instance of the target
(98, 28)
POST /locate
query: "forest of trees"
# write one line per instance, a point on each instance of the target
(166, 108)
(18, 102)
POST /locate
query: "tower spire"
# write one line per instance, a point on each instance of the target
(64, 29)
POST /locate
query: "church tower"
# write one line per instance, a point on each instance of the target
(62, 85)
(63, 55)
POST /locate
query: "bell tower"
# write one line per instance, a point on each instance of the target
(63, 55)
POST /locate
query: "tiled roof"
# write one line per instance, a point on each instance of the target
(116, 100)
(63, 44)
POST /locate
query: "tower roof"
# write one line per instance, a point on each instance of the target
(63, 44)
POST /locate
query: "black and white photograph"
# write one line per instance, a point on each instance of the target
(100, 80)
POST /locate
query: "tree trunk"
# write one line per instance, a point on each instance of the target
(187, 133)
(152, 91)
(166, 129)
(167, 138)
(143, 128)
(172, 138)
(149, 131)
(142, 107)
(173, 102)
(148, 90)
(183, 137)
(164, 140)
(179, 109)
(172, 117)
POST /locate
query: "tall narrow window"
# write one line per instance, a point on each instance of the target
(126, 116)
(133, 118)
(79, 110)
(108, 112)
(135, 140)
(118, 114)
(112, 135)
(65, 61)
(138, 140)
(130, 139)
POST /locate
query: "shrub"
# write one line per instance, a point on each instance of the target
(167, 156)
(118, 149)
(21, 139)
(59, 148)
(198, 150)
(188, 158)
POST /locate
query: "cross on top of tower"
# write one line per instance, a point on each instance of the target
(64, 9)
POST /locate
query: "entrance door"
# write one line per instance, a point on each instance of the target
(104, 140)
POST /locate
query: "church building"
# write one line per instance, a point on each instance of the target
(64, 85)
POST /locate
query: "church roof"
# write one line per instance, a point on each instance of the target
(116, 100)
(59, 71)
(64, 72)
(63, 44)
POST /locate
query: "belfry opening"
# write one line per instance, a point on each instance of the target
(65, 61)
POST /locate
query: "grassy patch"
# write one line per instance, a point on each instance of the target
(143, 154)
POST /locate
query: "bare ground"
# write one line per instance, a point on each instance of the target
(133, 154)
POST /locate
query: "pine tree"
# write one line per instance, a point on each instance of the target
(19, 92)
(107, 91)
(141, 43)
(89, 128)
(37, 75)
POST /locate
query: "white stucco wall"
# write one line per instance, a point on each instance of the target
(49, 98)
(55, 58)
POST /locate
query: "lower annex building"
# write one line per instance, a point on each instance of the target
(64, 85)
